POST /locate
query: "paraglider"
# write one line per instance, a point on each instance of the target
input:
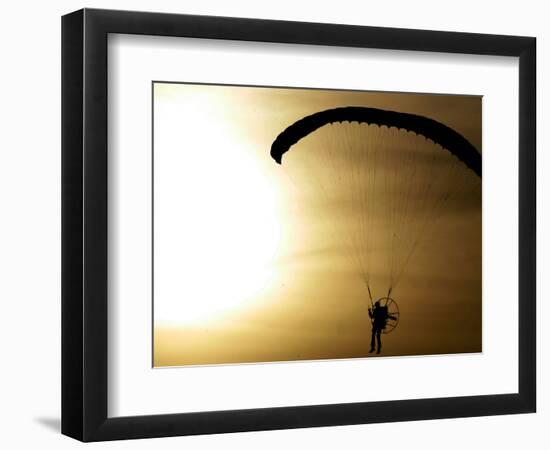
(381, 316)
(391, 174)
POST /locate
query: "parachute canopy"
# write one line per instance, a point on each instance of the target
(429, 128)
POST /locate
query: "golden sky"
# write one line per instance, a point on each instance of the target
(260, 262)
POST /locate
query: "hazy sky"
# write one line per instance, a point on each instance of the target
(257, 261)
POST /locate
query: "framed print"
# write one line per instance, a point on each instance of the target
(273, 224)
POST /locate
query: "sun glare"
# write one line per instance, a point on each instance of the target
(215, 245)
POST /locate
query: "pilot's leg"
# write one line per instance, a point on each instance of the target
(378, 338)
(372, 339)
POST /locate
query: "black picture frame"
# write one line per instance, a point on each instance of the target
(84, 224)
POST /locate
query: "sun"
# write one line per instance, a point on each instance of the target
(216, 224)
